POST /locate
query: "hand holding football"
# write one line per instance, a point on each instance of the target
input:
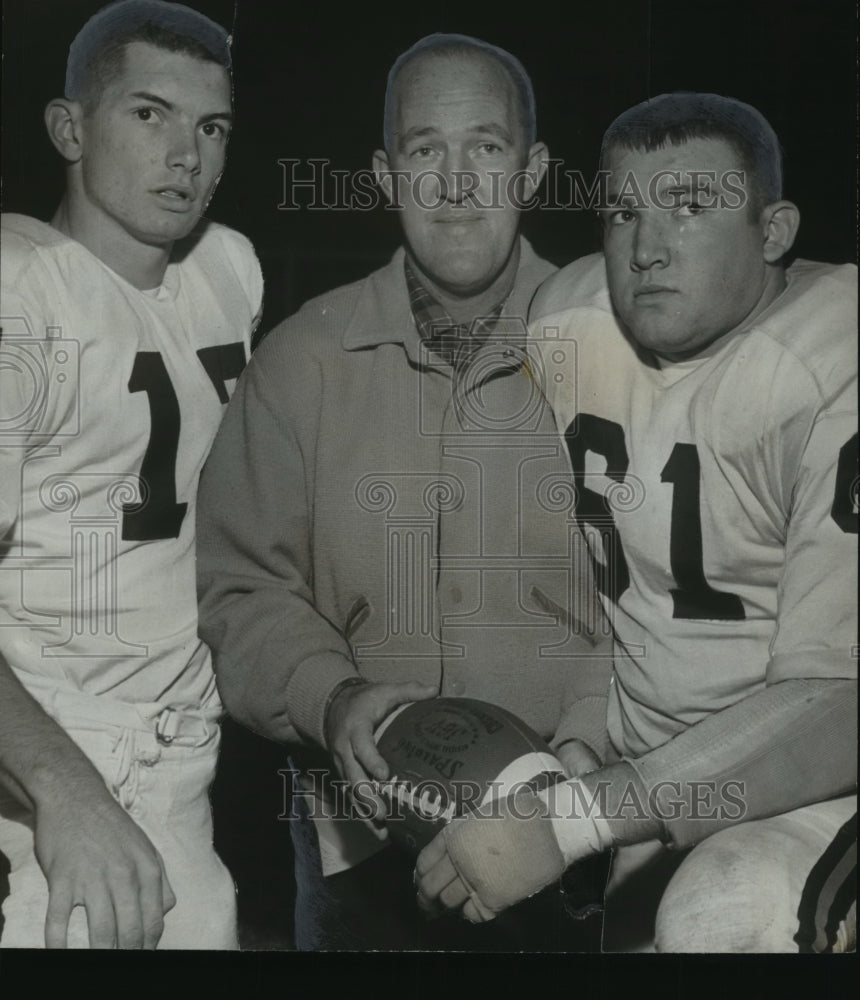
(449, 756)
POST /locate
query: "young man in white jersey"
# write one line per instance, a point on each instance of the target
(126, 320)
(708, 398)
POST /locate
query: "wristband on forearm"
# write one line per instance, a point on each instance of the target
(335, 691)
(577, 820)
(621, 799)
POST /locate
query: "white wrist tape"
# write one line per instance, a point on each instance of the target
(577, 820)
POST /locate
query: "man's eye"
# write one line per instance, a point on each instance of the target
(490, 147)
(146, 114)
(422, 151)
(692, 209)
(214, 131)
(618, 216)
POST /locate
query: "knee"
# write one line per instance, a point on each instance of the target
(727, 896)
(204, 916)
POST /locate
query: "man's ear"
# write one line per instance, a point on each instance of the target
(535, 169)
(382, 173)
(63, 121)
(780, 222)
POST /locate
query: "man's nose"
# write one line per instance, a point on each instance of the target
(459, 179)
(650, 242)
(184, 149)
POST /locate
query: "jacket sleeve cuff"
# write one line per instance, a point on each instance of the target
(585, 720)
(310, 689)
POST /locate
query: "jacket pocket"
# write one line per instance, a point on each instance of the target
(356, 617)
(564, 615)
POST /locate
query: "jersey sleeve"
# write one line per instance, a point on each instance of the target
(14, 403)
(817, 609)
(580, 283)
(38, 369)
(784, 747)
(242, 258)
(11, 452)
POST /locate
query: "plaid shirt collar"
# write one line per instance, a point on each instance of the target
(454, 343)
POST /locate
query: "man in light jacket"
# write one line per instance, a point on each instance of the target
(386, 515)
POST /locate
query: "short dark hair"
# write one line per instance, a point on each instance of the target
(678, 117)
(96, 55)
(450, 44)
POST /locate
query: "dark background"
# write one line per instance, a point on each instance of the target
(310, 83)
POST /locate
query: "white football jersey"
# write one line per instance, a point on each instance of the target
(110, 398)
(717, 494)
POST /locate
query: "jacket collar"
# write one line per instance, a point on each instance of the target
(383, 314)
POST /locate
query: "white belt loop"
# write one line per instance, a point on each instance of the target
(171, 723)
(167, 726)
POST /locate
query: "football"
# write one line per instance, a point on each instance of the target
(449, 756)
